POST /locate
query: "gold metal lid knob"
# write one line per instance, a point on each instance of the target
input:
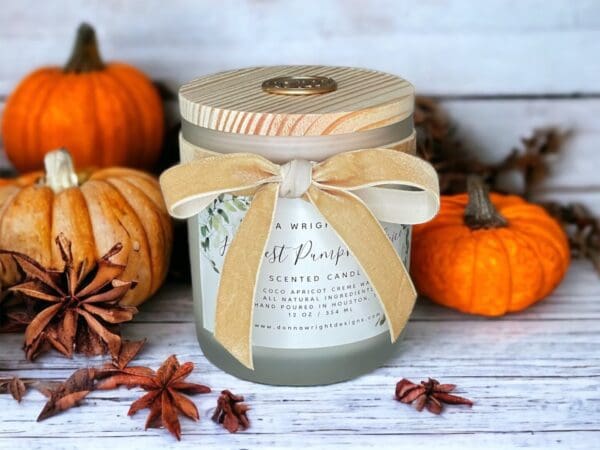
(309, 85)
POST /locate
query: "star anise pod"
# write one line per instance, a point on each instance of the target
(129, 350)
(165, 397)
(429, 394)
(119, 365)
(69, 393)
(231, 412)
(15, 386)
(80, 308)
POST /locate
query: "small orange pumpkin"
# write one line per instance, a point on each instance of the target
(105, 114)
(488, 254)
(94, 210)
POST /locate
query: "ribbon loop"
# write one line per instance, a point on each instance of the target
(351, 190)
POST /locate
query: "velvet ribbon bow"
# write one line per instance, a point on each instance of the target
(351, 190)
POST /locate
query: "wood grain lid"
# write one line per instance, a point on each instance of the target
(236, 101)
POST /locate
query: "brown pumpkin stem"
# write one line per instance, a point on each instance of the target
(480, 211)
(85, 56)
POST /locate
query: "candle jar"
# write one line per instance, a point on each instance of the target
(316, 318)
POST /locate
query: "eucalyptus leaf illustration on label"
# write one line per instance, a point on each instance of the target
(218, 223)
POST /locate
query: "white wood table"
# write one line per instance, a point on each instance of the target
(534, 377)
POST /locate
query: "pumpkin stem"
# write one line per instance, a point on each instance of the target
(480, 211)
(85, 56)
(60, 174)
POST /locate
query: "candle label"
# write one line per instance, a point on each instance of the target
(311, 292)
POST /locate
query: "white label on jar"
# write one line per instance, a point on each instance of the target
(311, 292)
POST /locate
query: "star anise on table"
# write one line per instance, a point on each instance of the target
(118, 372)
(231, 412)
(64, 395)
(165, 397)
(429, 394)
(69, 393)
(129, 350)
(78, 306)
(17, 387)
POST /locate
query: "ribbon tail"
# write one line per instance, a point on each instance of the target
(356, 226)
(241, 268)
(400, 204)
(189, 188)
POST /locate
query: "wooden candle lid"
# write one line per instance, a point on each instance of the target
(236, 101)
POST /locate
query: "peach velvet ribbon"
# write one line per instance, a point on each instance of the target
(351, 190)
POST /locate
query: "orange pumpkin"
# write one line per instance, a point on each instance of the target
(488, 255)
(105, 114)
(95, 210)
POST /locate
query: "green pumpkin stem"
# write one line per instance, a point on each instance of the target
(480, 211)
(85, 56)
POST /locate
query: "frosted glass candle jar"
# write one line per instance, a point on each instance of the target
(316, 318)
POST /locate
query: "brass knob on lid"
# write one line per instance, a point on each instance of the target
(298, 85)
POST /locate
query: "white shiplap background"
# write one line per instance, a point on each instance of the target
(501, 69)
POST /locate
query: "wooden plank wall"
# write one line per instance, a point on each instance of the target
(501, 67)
